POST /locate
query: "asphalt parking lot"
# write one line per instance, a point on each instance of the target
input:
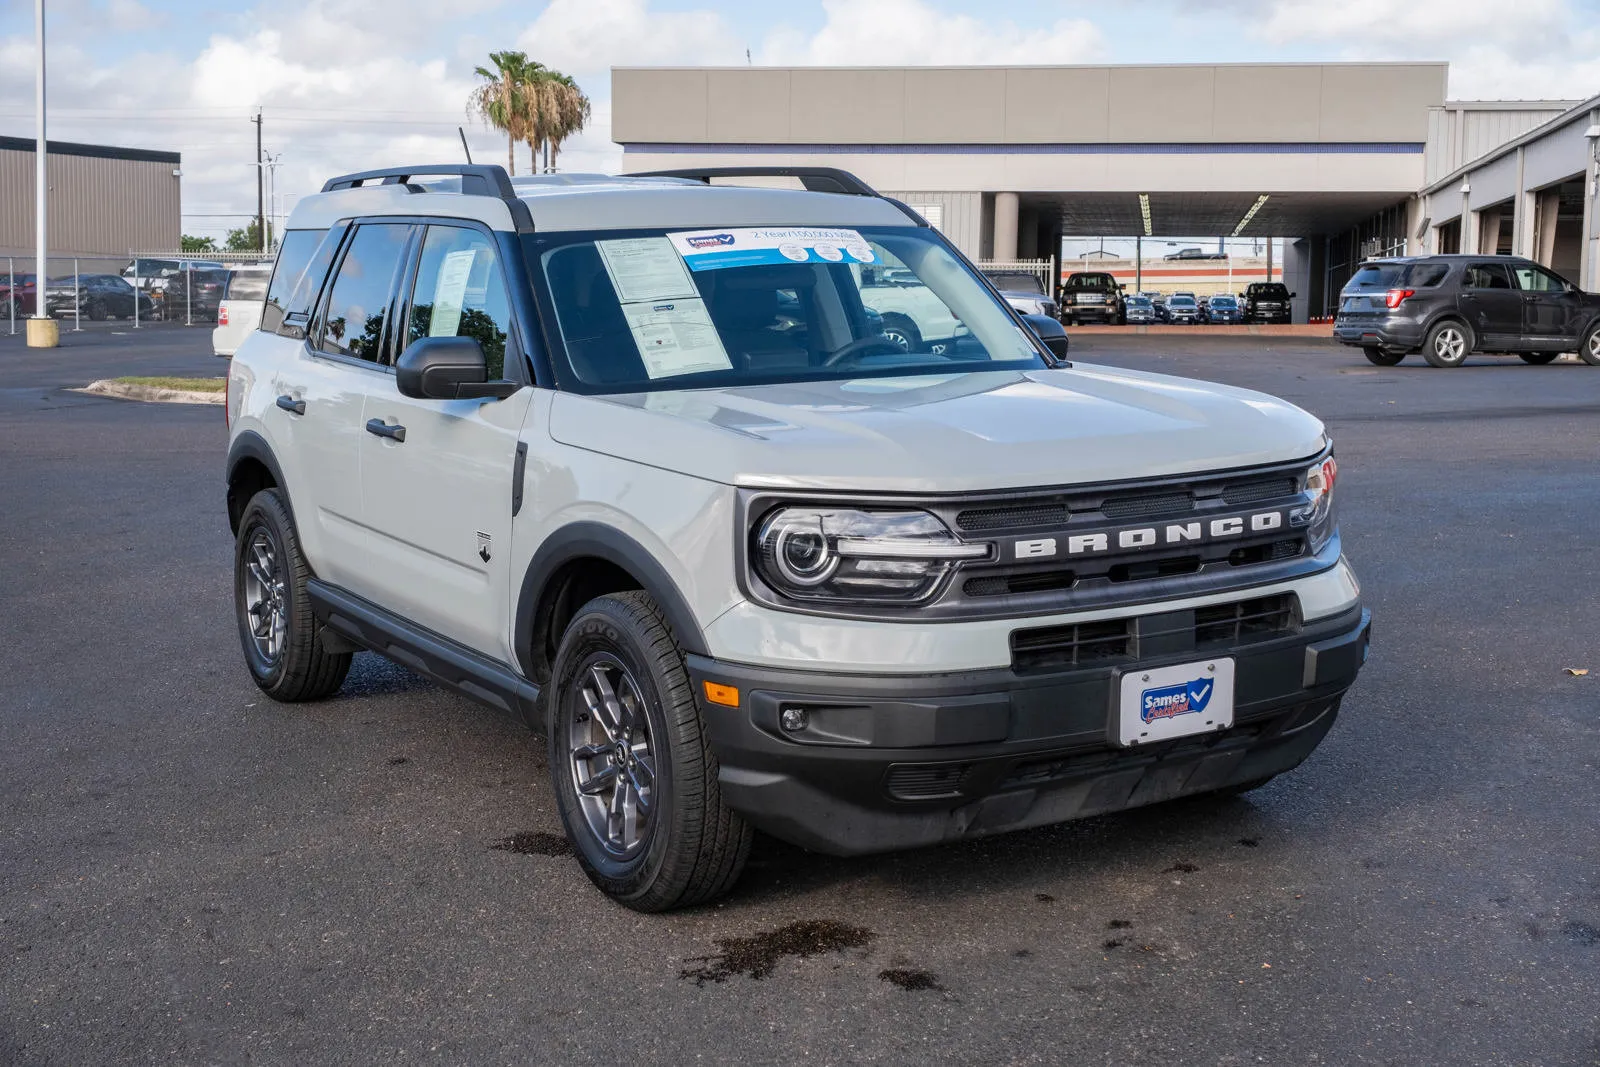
(190, 873)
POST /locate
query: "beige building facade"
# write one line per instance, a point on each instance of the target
(104, 201)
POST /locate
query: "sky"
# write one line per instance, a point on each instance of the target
(349, 85)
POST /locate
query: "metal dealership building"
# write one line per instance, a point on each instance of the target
(104, 201)
(1342, 160)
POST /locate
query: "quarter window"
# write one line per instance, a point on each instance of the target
(358, 305)
(461, 292)
(1427, 275)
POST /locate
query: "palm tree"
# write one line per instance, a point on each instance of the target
(501, 100)
(569, 108)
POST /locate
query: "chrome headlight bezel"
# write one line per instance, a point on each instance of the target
(824, 554)
(1318, 517)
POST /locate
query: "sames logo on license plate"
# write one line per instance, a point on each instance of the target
(1170, 701)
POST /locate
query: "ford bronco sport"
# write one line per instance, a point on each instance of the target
(633, 458)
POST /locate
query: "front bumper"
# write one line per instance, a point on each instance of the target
(1383, 333)
(1083, 312)
(899, 761)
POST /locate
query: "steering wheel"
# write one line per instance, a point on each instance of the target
(838, 356)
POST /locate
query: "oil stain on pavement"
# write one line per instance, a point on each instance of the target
(535, 843)
(758, 954)
(911, 980)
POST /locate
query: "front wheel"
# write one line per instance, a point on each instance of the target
(1448, 344)
(1538, 359)
(1589, 350)
(1382, 357)
(635, 779)
(903, 332)
(281, 637)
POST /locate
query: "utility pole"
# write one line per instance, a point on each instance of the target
(42, 329)
(261, 186)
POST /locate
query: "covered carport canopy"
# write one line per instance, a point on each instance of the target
(1268, 213)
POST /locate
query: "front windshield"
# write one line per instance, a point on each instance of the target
(1268, 289)
(1091, 281)
(1138, 301)
(1222, 302)
(1182, 301)
(1017, 283)
(643, 310)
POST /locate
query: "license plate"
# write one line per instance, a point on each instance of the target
(1168, 702)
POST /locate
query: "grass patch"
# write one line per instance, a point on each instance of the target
(191, 385)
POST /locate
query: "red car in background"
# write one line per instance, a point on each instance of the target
(22, 301)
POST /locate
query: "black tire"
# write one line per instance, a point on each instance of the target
(299, 668)
(898, 328)
(1538, 359)
(96, 311)
(693, 848)
(1589, 349)
(1381, 356)
(1448, 344)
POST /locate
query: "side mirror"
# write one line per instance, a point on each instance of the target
(1049, 332)
(447, 368)
(1293, 295)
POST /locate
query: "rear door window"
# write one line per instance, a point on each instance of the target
(356, 312)
(1486, 276)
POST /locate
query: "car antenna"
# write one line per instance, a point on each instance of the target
(464, 147)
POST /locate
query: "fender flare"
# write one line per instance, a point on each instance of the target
(580, 539)
(251, 445)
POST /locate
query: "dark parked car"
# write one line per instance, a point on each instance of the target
(1448, 307)
(1267, 302)
(1183, 309)
(99, 297)
(195, 294)
(1138, 310)
(1091, 296)
(1222, 309)
(1195, 253)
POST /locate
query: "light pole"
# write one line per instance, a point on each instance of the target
(42, 332)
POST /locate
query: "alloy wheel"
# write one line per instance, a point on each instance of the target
(1450, 344)
(266, 604)
(612, 761)
(1594, 346)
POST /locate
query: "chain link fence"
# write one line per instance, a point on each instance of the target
(142, 288)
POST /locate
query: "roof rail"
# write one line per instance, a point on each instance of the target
(814, 179)
(481, 179)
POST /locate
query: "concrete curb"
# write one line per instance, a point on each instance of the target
(151, 394)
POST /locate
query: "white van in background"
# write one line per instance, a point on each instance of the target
(239, 314)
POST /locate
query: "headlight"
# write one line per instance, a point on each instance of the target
(838, 554)
(1317, 517)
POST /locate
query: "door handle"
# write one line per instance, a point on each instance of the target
(291, 405)
(383, 429)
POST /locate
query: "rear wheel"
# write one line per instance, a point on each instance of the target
(282, 640)
(1589, 351)
(1448, 344)
(1538, 359)
(1383, 357)
(635, 779)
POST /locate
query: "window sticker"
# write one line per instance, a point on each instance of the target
(716, 249)
(646, 268)
(676, 337)
(450, 292)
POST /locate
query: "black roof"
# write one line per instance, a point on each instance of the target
(92, 151)
(1478, 257)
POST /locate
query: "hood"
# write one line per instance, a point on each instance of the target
(943, 433)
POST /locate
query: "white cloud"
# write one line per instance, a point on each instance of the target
(893, 32)
(591, 36)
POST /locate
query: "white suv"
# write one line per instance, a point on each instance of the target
(633, 458)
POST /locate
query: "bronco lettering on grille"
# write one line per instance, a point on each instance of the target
(1138, 538)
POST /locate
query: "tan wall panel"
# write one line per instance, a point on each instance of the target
(1058, 105)
(847, 106)
(748, 106)
(658, 105)
(1267, 103)
(1149, 100)
(97, 206)
(966, 106)
(1379, 102)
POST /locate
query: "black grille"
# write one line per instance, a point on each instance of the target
(926, 781)
(1013, 518)
(1136, 507)
(1009, 584)
(1244, 621)
(1262, 489)
(1073, 645)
